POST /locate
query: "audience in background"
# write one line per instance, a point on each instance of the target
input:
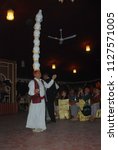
(76, 92)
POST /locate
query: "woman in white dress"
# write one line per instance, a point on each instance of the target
(36, 114)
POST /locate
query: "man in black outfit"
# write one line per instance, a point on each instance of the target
(51, 95)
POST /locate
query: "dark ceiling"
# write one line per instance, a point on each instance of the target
(82, 17)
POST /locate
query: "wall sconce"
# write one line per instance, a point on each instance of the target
(53, 66)
(88, 48)
(74, 71)
(63, 1)
(10, 15)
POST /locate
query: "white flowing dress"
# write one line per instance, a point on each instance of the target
(36, 114)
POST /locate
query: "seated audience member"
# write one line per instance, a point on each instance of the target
(80, 94)
(63, 105)
(95, 103)
(3, 91)
(84, 102)
(98, 85)
(87, 95)
(63, 94)
(74, 108)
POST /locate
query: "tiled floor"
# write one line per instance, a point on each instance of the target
(62, 135)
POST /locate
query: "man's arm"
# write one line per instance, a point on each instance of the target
(48, 85)
(31, 88)
(57, 86)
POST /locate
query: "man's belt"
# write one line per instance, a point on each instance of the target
(37, 98)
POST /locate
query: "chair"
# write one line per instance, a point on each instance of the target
(81, 117)
(64, 112)
(98, 113)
